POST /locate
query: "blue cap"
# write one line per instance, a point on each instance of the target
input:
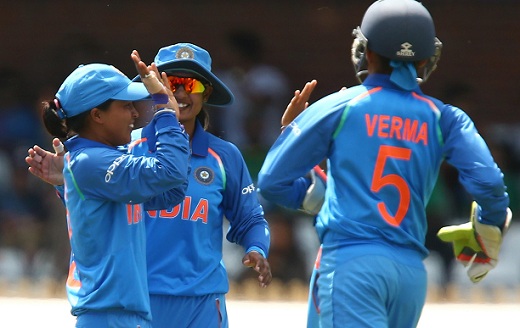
(187, 57)
(91, 85)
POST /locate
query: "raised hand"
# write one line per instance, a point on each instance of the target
(298, 103)
(46, 165)
(155, 83)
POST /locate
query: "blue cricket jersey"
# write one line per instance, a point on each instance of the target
(105, 188)
(384, 147)
(184, 242)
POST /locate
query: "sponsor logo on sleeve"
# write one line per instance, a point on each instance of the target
(248, 190)
(113, 167)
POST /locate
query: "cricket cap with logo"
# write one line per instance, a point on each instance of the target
(187, 57)
(91, 85)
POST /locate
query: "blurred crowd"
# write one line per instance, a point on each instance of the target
(33, 239)
(33, 236)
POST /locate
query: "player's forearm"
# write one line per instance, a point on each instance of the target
(487, 187)
(257, 238)
(277, 189)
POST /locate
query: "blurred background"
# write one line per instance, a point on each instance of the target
(263, 50)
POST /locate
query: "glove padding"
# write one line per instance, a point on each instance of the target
(476, 245)
(315, 195)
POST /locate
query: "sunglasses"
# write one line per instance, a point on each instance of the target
(190, 84)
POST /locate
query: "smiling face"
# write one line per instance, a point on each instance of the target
(190, 104)
(114, 125)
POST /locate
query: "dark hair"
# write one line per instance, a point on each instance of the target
(203, 118)
(384, 64)
(64, 129)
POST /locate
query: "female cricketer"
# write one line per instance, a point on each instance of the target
(106, 190)
(384, 141)
(187, 278)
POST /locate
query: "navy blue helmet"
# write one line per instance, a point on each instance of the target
(397, 30)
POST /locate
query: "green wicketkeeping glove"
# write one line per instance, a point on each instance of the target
(476, 245)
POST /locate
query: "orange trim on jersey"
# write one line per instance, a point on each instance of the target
(136, 142)
(367, 93)
(71, 281)
(428, 101)
(349, 104)
(220, 164)
(318, 258)
(217, 157)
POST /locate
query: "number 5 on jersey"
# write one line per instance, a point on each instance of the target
(379, 181)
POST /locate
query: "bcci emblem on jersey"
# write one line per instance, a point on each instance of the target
(204, 175)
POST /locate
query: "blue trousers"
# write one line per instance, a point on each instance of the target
(370, 286)
(313, 311)
(208, 311)
(111, 319)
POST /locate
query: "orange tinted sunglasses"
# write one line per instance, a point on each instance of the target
(190, 84)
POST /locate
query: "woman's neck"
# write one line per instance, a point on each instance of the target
(189, 127)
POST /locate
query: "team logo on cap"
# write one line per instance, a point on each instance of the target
(204, 175)
(184, 53)
(406, 50)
